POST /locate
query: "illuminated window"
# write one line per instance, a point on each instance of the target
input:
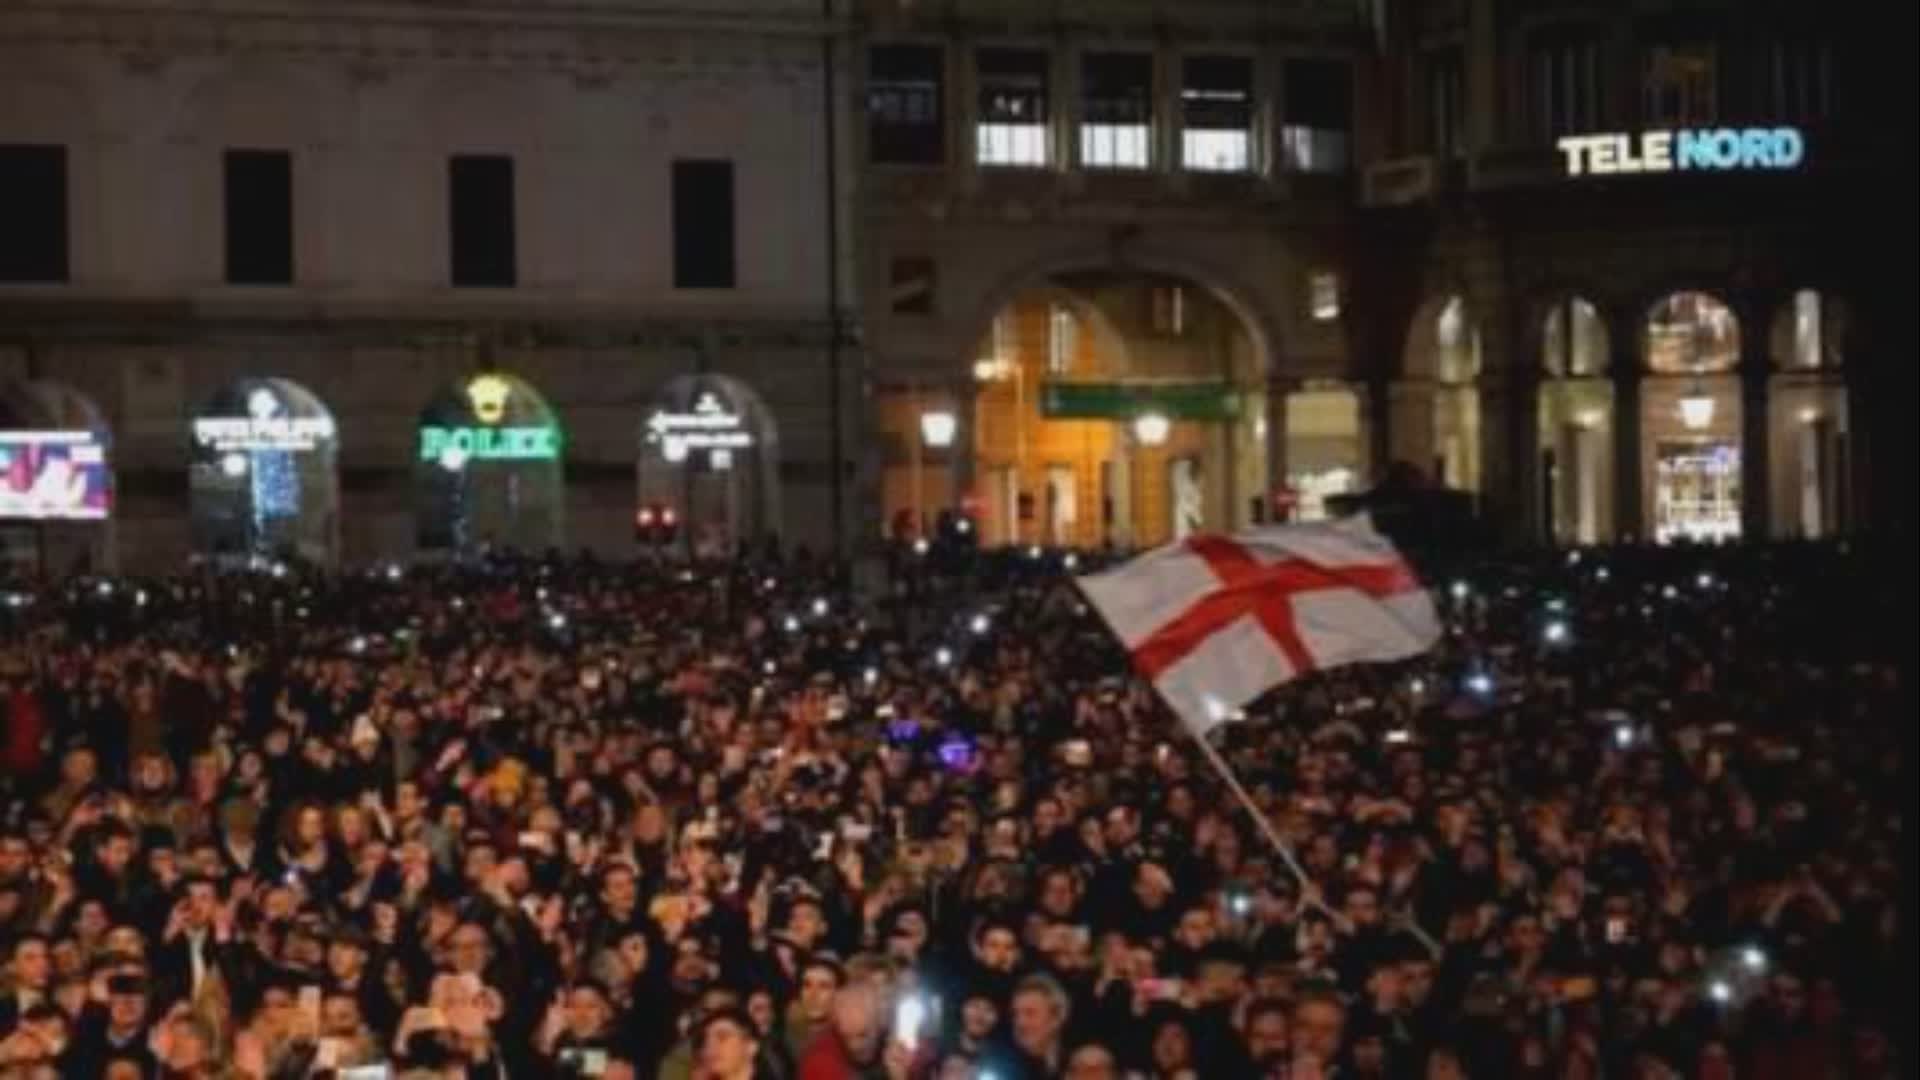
(1216, 114)
(1013, 108)
(1565, 85)
(1323, 295)
(1117, 107)
(1060, 339)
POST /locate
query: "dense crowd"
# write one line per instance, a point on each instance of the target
(1638, 815)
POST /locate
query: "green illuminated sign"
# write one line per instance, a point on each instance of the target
(455, 446)
(1125, 401)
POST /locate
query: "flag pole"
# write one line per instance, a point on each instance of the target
(1266, 827)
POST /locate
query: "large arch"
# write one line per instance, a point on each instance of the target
(710, 447)
(1809, 419)
(489, 467)
(1436, 402)
(1691, 418)
(1060, 456)
(1576, 418)
(263, 478)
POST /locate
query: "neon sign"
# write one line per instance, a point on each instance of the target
(1685, 150)
(53, 475)
(710, 426)
(266, 427)
(454, 446)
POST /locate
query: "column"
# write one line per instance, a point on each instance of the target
(1629, 507)
(966, 408)
(1279, 388)
(1501, 503)
(1756, 474)
(1374, 410)
(1166, 110)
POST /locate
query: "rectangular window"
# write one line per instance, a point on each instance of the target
(703, 225)
(1444, 80)
(1013, 108)
(906, 105)
(33, 213)
(259, 217)
(911, 285)
(1565, 86)
(1061, 339)
(1800, 74)
(1116, 128)
(1216, 114)
(1316, 115)
(1169, 316)
(1679, 85)
(1323, 295)
(480, 222)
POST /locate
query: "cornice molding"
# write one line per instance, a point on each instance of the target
(591, 40)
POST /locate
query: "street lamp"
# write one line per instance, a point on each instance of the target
(1152, 428)
(937, 428)
(1696, 409)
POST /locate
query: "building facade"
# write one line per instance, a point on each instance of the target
(356, 279)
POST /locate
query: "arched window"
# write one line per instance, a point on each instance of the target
(1692, 333)
(489, 467)
(1809, 333)
(1574, 340)
(710, 449)
(263, 476)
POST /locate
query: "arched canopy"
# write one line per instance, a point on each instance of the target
(50, 405)
(1809, 332)
(1574, 339)
(53, 454)
(489, 463)
(1691, 333)
(1444, 342)
(710, 447)
(263, 477)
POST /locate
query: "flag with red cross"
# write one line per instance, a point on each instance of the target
(1215, 621)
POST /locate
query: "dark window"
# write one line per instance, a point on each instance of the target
(906, 105)
(481, 220)
(1800, 74)
(259, 217)
(703, 224)
(1680, 84)
(1444, 82)
(910, 285)
(1565, 84)
(1117, 88)
(1316, 97)
(33, 213)
(1116, 123)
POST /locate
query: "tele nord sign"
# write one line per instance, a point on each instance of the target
(1687, 150)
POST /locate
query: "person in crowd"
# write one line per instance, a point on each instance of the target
(1639, 813)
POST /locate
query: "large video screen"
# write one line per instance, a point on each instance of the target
(53, 476)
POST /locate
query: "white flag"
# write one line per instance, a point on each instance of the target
(1215, 621)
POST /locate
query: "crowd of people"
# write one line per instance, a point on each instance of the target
(1638, 815)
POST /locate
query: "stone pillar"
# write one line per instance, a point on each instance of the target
(1279, 388)
(966, 408)
(1373, 394)
(1629, 506)
(1756, 472)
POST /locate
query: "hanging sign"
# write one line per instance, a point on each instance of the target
(1125, 401)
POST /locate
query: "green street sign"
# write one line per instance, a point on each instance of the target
(1124, 401)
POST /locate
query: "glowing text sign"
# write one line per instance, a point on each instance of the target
(462, 444)
(1686, 150)
(708, 427)
(241, 434)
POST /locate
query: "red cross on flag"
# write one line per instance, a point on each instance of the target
(1214, 621)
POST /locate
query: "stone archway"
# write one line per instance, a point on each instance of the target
(263, 477)
(710, 447)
